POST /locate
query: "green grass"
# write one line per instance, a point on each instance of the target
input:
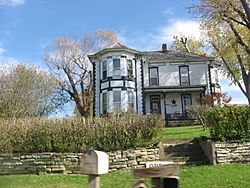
(220, 176)
(123, 178)
(185, 132)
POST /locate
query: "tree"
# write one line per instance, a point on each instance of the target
(188, 44)
(68, 62)
(227, 27)
(27, 91)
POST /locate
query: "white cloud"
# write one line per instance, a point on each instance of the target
(13, 3)
(180, 27)
(168, 12)
(152, 40)
(2, 50)
(232, 90)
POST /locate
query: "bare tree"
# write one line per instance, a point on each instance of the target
(68, 62)
(27, 92)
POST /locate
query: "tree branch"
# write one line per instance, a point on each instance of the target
(231, 72)
(237, 21)
(247, 11)
(238, 37)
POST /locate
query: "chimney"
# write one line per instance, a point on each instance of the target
(164, 47)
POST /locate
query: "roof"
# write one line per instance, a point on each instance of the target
(174, 88)
(156, 56)
(173, 56)
(117, 45)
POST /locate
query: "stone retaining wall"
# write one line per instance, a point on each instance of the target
(69, 163)
(232, 152)
(226, 152)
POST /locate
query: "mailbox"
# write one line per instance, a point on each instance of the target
(95, 163)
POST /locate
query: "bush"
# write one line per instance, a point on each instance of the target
(229, 123)
(75, 135)
(199, 112)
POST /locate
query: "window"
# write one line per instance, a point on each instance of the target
(104, 70)
(104, 103)
(117, 100)
(186, 101)
(131, 99)
(216, 76)
(184, 75)
(116, 67)
(153, 76)
(130, 69)
(155, 104)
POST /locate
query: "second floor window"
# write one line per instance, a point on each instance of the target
(130, 69)
(104, 70)
(184, 75)
(117, 100)
(116, 67)
(153, 76)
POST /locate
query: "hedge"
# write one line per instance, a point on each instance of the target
(229, 123)
(77, 134)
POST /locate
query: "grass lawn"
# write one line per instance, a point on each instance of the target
(220, 176)
(185, 132)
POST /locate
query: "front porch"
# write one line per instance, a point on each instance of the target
(172, 105)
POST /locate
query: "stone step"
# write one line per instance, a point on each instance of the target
(187, 160)
(198, 158)
(176, 141)
(183, 162)
(198, 155)
(184, 151)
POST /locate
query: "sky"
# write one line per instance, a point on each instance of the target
(27, 27)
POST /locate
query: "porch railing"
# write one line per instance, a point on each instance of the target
(177, 116)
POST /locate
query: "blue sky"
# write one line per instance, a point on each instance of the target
(28, 26)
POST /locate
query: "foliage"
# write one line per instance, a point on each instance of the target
(68, 62)
(27, 91)
(229, 123)
(199, 112)
(188, 44)
(226, 24)
(75, 135)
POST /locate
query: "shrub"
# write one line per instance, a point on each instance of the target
(229, 123)
(199, 113)
(75, 135)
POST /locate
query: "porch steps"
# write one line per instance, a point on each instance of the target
(177, 123)
(183, 151)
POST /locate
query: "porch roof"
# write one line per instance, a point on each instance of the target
(174, 89)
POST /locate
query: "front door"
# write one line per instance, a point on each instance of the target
(155, 104)
(186, 102)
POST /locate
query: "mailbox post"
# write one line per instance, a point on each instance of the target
(94, 163)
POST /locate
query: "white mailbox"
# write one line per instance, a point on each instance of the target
(95, 163)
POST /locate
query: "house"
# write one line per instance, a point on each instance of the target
(162, 82)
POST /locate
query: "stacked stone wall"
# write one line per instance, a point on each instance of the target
(235, 152)
(37, 163)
